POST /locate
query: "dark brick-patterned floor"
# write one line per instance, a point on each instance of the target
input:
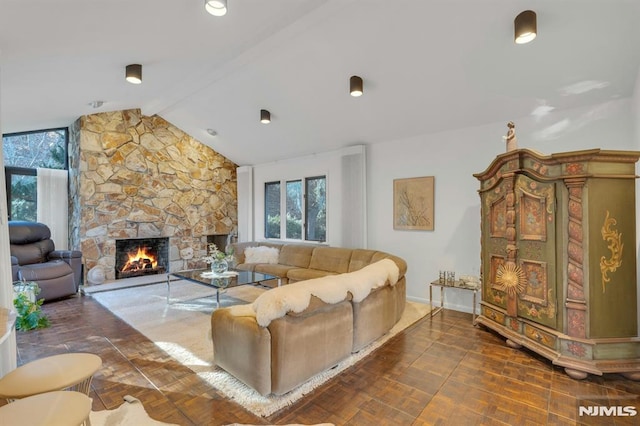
(440, 371)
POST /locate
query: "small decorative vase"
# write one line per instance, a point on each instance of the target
(219, 266)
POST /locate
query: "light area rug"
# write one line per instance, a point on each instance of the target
(183, 330)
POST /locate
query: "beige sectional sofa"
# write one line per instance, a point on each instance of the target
(337, 301)
(298, 262)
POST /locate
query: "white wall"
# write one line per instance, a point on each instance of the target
(329, 164)
(452, 157)
(245, 203)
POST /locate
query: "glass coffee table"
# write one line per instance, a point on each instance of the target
(219, 282)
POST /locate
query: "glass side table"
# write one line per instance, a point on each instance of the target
(456, 284)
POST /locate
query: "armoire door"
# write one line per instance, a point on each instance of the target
(495, 226)
(536, 250)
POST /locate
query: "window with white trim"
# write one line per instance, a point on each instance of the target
(303, 203)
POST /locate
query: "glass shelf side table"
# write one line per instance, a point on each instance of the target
(475, 288)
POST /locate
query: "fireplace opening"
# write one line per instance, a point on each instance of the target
(141, 256)
(220, 240)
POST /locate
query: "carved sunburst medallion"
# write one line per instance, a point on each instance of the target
(511, 279)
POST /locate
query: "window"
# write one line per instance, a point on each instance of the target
(304, 204)
(294, 209)
(21, 193)
(272, 210)
(316, 208)
(23, 154)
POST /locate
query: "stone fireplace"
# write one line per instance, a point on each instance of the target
(139, 177)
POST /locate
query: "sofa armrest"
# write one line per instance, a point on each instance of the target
(305, 345)
(242, 348)
(73, 258)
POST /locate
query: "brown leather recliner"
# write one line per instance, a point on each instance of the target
(34, 258)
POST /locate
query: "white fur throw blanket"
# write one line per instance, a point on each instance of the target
(296, 297)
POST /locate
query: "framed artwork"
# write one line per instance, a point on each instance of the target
(413, 203)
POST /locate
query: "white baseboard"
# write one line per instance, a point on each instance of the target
(436, 303)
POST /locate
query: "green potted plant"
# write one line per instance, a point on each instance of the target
(28, 309)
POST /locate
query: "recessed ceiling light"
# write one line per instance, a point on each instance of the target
(212, 132)
(265, 116)
(96, 104)
(355, 86)
(525, 27)
(133, 73)
(216, 7)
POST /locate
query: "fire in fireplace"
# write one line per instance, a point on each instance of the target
(141, 256)
(140, 260)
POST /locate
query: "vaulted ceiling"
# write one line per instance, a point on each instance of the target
(428, 66)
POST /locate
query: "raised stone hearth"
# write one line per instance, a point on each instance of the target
(133, 176)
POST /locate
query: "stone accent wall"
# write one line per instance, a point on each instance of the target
(133, 176)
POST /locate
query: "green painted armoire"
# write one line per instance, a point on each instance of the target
(559, 257)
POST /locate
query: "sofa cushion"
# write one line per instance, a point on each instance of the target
(332, 259)
(300, 274)
(261, 254)
(277, 269)
(360, 258)
(298, 255)
(45, 271)
(24, 232)
(245, 266)
(36, 252)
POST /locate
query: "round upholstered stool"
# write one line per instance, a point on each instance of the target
(60, 408)
(72, 371)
